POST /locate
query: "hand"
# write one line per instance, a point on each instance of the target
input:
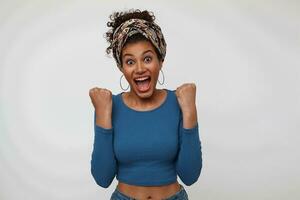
(186, 96)
(102, 102)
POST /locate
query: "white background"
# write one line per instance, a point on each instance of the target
(243, 57)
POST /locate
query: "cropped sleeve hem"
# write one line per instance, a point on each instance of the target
(191, 130)
(101, 129)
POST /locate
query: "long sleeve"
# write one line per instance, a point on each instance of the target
(103, 161)
(189, 160)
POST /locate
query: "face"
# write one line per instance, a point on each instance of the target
(141, 67)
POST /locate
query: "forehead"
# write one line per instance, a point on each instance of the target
(137, 48)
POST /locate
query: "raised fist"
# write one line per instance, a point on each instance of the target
(186, 96)
(102, 100)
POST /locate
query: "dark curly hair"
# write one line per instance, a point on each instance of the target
(117, 18)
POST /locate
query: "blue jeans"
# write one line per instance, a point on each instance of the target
(180, 195)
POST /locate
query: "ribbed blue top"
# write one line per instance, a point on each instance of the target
(146, 148)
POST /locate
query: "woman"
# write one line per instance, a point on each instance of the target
(147, 136)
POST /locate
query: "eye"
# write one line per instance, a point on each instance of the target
(148, 59)
(129, 62)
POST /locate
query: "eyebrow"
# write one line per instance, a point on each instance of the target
(128, 54)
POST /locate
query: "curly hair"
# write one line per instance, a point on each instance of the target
(117, 18)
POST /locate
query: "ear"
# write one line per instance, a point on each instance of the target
(161, 62)
(121, 69)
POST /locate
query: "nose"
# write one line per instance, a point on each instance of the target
(140, 68)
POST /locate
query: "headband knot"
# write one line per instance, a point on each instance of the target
(132, 26)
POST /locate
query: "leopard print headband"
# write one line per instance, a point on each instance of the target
(132, 26)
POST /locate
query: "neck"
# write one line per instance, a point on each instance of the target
(142, 102)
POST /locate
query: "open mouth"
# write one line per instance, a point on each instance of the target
(143, 83)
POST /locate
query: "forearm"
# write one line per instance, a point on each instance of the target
(190, 117)
(189, 161)
(103, 119)
(103, 160)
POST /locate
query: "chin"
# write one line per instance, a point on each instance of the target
(144, 94)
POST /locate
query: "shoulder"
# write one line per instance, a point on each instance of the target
(172, 93)
(172, 97)
(116, 94)
(116, 98)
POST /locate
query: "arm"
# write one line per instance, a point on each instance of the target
(189, 161)
(103, 161)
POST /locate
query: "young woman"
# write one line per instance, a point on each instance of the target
(147, 136)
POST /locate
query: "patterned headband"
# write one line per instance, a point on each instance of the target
(132, 26)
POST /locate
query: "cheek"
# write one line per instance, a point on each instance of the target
(155, 71)
(126, 74)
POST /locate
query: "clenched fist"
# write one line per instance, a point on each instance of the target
(186, 96)
(102, 102)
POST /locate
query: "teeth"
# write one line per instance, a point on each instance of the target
(142, 78)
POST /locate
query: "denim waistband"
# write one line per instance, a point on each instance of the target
(180, 195)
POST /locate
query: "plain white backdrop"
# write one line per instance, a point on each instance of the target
(243, 57)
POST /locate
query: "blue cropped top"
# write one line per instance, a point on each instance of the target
(146, 148)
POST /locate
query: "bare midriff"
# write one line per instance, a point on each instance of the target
(149, 192)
